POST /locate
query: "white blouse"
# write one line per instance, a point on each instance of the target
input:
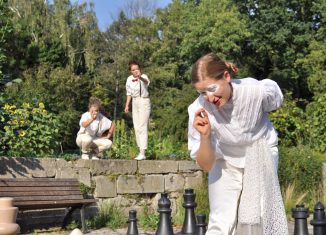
(242, 120)
(94, 128)
(136, 87)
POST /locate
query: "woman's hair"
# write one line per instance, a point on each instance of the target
(94, 101)
(210, 66)
(133, 62)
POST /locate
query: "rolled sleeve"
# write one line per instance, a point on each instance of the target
(272, 95)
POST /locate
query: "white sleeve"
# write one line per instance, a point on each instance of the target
(193, 135)
(144, 76)
(272, 95)
(128, 89)
(84, 117)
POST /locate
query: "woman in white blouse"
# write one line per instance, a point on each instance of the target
(137, 92)
(96, 131)
(230, 136)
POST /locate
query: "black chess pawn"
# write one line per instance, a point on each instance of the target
(164, 208)
(132, 223)
(319, 220)
(201, 224)
(300, 215)
(189, 223)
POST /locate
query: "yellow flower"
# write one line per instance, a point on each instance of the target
(41, 105)
(22, 133)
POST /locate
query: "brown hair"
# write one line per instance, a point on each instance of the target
(210, 66)
(133, 62)
(94, 101)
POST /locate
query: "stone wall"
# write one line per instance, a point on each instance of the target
(129, 183)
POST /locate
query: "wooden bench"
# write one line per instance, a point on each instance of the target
(46, 193)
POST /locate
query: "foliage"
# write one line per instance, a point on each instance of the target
(289, 122)
(28, 130)
(302, 166)
(109, 215)
(123, 142)
(6, 28)
(316, 125)
(291, 198)
(148, 218)
(66, 94)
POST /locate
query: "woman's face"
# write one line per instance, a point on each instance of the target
(217, 92)
(94, 111)
(135, 70)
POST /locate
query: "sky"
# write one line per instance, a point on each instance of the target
(108, 10)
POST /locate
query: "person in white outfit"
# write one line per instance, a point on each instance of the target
(231, 137)
(137, 93)
(95, 132)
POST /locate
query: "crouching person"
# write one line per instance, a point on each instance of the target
(95, 132)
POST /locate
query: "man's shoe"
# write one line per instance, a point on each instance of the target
(85, 156)
(140, 157)
(95, 158)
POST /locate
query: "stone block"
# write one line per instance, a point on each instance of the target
(105, 187)
(174, 182)
(115, 167)
(66, 172)
(48, 168)
(194, 180)
(157, 167)
(140, 184)
(84, 176)
(188, 166)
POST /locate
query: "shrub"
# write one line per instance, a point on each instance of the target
(302, 166)
(28, 131)
(109, 215)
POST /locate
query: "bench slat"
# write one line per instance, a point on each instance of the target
(36, 183)
(38, 193)
(48, 198)
(31, 189)
(51, 204)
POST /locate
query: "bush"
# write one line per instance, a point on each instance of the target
(301, 166)
(28, 131)
(316, 125)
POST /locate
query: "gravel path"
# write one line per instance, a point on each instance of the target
(123, 231)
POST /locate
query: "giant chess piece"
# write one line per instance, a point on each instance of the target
(201, 224)
(300, 215)
(189, 223)
(8, 215)
(132, 223)
(164, 226)
(319, 220)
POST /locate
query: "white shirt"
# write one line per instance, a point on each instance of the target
(93, 128)
(136, 87)
(242, 120)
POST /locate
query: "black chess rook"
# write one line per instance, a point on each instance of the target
(201, 224)
(164, 208)
(132, 223)
(300, 215)
(189, 224)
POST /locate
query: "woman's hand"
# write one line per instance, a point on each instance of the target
(201, 122)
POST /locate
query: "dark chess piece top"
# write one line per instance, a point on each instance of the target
(164, 208)
(300, 215)
(132, 223)
(319, 220)
(189, 223)
(201, 224)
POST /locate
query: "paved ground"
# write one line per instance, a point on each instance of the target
(123, 231)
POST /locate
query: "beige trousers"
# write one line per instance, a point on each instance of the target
(89, 143)
(141, 109)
